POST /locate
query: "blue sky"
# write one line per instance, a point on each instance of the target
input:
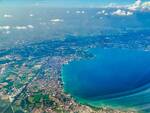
(67, 3)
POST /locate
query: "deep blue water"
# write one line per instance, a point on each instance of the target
(116, 76)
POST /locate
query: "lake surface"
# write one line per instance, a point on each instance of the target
(117, 77)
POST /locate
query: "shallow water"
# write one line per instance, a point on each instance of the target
(118, 77)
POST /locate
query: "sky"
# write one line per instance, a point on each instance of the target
(67, 3)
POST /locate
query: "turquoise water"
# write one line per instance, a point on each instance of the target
(115, 77)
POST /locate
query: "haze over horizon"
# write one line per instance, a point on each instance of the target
(68, 3)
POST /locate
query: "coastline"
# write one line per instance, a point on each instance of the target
(97, 106)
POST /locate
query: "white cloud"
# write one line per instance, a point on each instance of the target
(4, 27)
(136, 5)
(120, 12)
(30, 26)
(146, 5)
(31, 15)
(129, 13)
(57, 20)
(20, 27)
(137, 2)
(80, 12)
(101, 12)
(24, 27)
(139, 5)
(7, 16)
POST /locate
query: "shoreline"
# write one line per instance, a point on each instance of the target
(99, 108)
